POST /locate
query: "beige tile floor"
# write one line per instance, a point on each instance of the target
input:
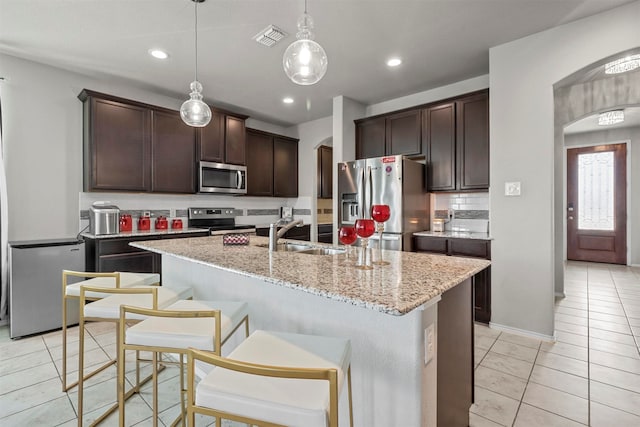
(589, 376)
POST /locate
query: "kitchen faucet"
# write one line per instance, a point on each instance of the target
(274, 234)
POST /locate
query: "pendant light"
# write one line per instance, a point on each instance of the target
(194, 111)
(305, 61)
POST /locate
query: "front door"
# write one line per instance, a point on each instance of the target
(597, 204)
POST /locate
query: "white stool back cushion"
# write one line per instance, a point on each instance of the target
(290, 402)
(109, 307)
(183, 333)
(127, 280)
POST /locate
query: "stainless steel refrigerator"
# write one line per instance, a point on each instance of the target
(390, 180)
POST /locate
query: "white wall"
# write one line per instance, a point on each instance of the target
(522, 74)
(427, 96)
(631, 134)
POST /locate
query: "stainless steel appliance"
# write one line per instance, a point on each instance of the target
(104, 218)
(222, 178)
(393, 181)
(35, 283)
(218, 220)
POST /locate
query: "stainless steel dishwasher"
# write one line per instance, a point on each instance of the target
(35, 283)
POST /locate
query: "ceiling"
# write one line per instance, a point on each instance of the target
(440, 42)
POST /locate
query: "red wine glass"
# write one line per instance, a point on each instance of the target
(380, 214)
(347, 236)
(365, 229)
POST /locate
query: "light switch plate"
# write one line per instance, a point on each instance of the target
(512, 188)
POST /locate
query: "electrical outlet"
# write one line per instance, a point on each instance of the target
(429, 343)
(146, 213)
(512, 188)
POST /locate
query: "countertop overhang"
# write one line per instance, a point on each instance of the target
(409, 281)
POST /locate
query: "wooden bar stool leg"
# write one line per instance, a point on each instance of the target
(350, 402)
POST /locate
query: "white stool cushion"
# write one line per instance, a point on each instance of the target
(290, 402)
(188, 332)
(109, 307)
(127, 280)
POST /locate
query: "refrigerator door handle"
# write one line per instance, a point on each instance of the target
(362, 188)
(370, 189)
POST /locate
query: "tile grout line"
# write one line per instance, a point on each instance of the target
(526, 385)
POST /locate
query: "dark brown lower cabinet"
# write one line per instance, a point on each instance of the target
(325, 233)
(114, 253)
(476, 248)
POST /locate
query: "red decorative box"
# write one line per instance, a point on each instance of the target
(234, 239)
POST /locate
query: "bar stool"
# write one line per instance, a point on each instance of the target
(107, 309)
(254, 384)
(113, 280)
(205, 325)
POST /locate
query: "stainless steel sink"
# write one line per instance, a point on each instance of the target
(304, 249)
(287, 247)
(322, 251)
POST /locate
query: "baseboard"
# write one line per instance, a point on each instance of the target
(560, 295)
(4, 322)
(634, 265)
(522, 332)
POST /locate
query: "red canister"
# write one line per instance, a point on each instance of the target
(162, 223)
(144, 223)
(176, 223)
(126, 223)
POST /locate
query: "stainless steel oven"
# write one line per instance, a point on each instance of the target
(218, 220)
(222, 178)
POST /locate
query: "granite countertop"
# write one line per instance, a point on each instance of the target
(410, 280)
(142, 233)
(456, 234)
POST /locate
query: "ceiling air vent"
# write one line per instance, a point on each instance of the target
(270, 36)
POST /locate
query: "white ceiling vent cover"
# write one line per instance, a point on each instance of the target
(270, 36)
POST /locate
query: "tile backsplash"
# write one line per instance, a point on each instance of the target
(464, 211)
(259, 211)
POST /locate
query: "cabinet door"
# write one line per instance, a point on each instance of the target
(325, 172)
(482, 298)
(285, 167)
(403, 133)
(211, 139)
(119, 146)
(235, 141)
(259, 164)
(430, 244)
(173, 154)
(370, 138)
(470, 247)
(473, 142)
(439, 133)
(137, 262)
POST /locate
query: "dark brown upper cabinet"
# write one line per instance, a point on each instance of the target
(131, 146)
(392, 134)
(117, 145)
(285, 167)
(259, 163)
(172, 153)
(325, 172)
(223, 140)
(272, 164)
(456, 139)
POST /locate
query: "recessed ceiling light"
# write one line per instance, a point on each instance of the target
(394, 62)
(622, 65)
(287, 100)
(159, 54)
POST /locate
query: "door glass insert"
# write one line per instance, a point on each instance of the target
(595, 191)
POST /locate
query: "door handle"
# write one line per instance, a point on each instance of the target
(239, 180)
(570, 217)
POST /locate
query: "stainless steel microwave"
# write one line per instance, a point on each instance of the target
(222, 178)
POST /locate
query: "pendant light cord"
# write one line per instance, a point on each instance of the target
(196, 20)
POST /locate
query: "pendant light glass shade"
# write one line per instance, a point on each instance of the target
(305, 61)
(194, 111)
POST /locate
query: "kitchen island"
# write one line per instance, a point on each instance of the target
(386, 312)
